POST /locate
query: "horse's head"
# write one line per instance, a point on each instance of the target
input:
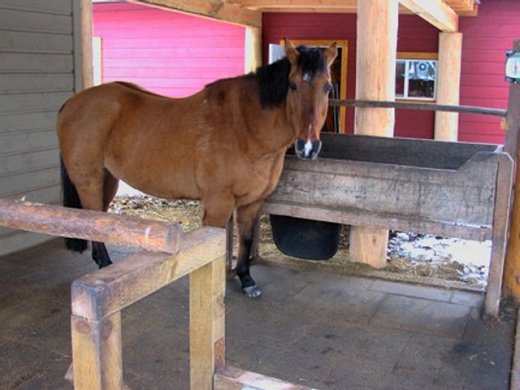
(308, 95)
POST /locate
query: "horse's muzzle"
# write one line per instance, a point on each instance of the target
(307, 149)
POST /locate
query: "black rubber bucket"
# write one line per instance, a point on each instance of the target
(304, 238)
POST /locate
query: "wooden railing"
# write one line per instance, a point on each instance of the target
(98, 298)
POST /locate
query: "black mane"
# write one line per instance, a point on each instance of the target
(273, 79)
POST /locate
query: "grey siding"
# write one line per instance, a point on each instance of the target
(38, 72)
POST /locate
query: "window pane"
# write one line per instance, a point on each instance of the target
(399, 78)
(421, 78)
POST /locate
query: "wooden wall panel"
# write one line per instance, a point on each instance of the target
(37, 74)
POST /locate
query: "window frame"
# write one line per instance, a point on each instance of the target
(417, 56)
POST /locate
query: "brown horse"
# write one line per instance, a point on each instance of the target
(224, 145)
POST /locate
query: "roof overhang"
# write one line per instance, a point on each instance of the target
(443, 14)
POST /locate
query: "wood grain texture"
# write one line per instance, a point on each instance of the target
(97, 353)
(448, 85)
(376, 54)
(102, 293)
(231, 378)
(207, 323)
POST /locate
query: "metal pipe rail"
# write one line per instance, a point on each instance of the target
(417, 106)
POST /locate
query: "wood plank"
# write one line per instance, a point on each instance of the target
(435, 12)
(36, 82)
(97, 355)
(63, 7)
(383, 221)
(11, 164)
(122, 284)
(231, 378)
(91, 225)
(35, 62)
(23, 183)
(13, 143)
(288, 5)
(215, 9)
(27, 122)
(207, 323)
(501, 214)
(512, 146)
(464, 196)
(30, 102)
(376, 54)
(22, 20)
(23, 41)
(448, 85)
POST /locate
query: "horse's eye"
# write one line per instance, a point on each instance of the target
(292, 86)
(327, 88)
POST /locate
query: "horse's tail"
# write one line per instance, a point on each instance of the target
(71, 199)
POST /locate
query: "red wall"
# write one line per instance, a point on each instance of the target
(414, 35)
(485, 40)
(167, 52)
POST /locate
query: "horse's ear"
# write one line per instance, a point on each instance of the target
(291, 52)
(330, 53)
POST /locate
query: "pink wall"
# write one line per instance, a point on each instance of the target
(167, 52)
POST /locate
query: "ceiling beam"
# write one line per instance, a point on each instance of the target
(215, 9)
(300, 5)
(435, 12)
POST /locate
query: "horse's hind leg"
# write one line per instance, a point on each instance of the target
(97, 195)
(247, 217)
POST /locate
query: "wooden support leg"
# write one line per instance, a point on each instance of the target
(207, 322)
(500, 230)
(97, 353)
(368, 245)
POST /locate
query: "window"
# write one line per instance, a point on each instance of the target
(415, 78)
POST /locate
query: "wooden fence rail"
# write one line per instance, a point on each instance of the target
(91, 225)
(98, 298)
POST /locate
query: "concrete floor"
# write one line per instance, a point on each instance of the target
(317, 329)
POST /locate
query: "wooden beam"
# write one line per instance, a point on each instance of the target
(97, 353)
(436, 12)
(91, 225)
(512, 146)
(231, 378)
(448, 85)
(376, 54)
(100, 294)
(207, 323)
(344, 5)
(86, 43)
(253, 49)
(216, 9)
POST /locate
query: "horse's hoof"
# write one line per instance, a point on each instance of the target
(252, 291)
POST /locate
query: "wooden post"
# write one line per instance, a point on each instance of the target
(448, 85)
(253, 49)
(86, 43)
(207, 323)
(512, 266)
(97, 351)
(375, 80)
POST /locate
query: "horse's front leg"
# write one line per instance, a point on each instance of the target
(247, 217)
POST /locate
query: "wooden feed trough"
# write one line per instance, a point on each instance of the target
(444, 188)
